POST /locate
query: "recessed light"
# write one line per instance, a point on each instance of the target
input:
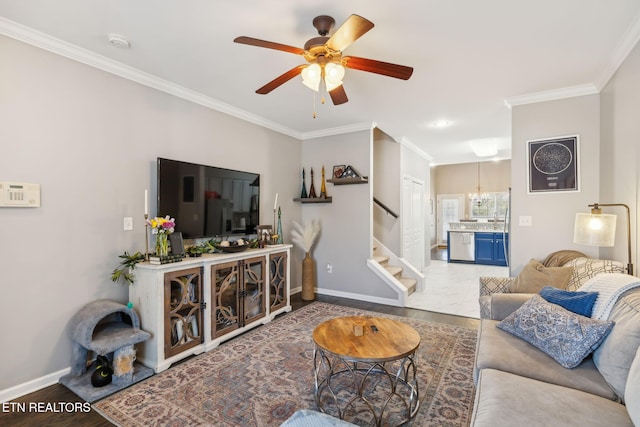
(441, 123)
(119, 41)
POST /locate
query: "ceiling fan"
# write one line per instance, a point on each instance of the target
(324, 56)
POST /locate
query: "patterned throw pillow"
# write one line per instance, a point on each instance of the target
(565, 336)
(578, 302)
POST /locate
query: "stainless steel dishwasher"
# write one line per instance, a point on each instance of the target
(462, 246)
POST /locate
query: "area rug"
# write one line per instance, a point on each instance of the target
(263, 376)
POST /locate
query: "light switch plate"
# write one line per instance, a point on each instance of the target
(525, 221)
(127, 223)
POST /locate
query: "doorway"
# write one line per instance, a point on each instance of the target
(413, 222)
(450, 208)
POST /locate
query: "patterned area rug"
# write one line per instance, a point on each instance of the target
(263, 376)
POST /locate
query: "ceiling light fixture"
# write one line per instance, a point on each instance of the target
(441, 124)
(119, 41)
(332, 74)
(484, 147)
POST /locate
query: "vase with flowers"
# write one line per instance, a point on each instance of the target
(161, 228)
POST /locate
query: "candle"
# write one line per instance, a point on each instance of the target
(275, 205)
(146, 203)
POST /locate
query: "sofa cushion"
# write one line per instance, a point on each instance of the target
(578, 302)
(616, 353)
(504, 399)
(498, 349)
(632, 390)
(565, 336)
(535, 276)
(586, 268)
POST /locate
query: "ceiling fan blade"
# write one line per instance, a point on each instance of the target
(378, 67)
(353, 28)
(269, 45)
(338, 95)
(280, 80)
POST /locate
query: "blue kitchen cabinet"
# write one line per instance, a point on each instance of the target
(490, 248)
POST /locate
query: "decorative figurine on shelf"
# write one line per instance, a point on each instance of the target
(312, 189)
(303, 194)
(323, 186)
(279, 229)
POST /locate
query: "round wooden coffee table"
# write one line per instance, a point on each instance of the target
(368, 378)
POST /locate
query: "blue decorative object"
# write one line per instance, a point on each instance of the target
(578, 302)
(565, 336)
(130, 305)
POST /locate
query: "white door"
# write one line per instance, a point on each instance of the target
(413, 222)
(450, 209)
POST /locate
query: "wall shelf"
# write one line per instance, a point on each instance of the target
(313, 200)
(348, 181)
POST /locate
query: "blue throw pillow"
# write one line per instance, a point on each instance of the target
(565, 336)
(578, 302)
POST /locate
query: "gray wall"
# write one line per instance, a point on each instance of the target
(553, 214)
(91, 139)
(347, 222)
(619, 154)
(387, 188)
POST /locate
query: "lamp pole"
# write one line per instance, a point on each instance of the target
(595, 209)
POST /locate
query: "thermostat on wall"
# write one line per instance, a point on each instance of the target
(19, 195)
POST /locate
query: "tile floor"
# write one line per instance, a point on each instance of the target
(452, 288)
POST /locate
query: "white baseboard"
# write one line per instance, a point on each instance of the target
(33, 385)
(359, 297)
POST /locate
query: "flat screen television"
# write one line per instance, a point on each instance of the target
(208, 201)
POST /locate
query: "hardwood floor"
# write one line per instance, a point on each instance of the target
(13, 414)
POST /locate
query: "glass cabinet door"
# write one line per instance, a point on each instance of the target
(225, 295)
(254, 289)
(183, 310)
(277, 280)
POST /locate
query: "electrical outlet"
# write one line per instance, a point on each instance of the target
(329, 268)
(127, 223)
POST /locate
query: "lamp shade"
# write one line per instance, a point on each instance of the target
(311, 76)
(333, 75)
(594, 229)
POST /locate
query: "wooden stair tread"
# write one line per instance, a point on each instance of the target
(381, 259)
(393, 270)
(410, 284)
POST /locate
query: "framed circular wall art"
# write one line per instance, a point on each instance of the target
(553, 164)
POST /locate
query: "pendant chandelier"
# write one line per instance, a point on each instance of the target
(478, 199)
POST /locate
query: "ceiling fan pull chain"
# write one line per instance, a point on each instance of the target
(314, 105)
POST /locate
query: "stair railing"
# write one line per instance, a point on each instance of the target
(385, 208)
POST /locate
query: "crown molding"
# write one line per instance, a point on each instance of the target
(551, 95)
(356, 127)
(629, 41)
(44, 41)
(413, 147)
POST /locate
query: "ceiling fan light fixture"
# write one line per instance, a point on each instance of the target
(333, 75)
(311, 77)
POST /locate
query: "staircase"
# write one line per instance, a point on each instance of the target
(395, 271)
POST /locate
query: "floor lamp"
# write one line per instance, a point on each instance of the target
(598, 229)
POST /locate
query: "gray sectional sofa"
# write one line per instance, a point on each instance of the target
(519, 384)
